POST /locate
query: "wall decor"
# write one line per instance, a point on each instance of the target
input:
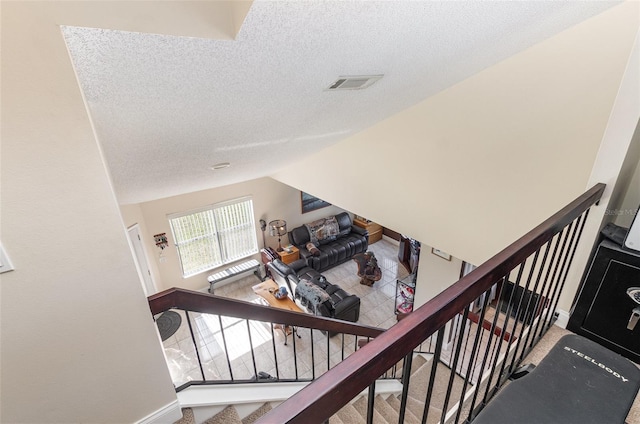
(311, 203)
(161, 240)
(440, 253)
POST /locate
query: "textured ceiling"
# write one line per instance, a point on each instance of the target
(166, 108)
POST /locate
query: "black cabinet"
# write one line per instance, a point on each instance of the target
(603, 308)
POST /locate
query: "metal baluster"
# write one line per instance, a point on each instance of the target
(406, 376)
(295, 352)
(474, 351)
(525, 350)
(464, 351)
(432, 376)
(575, 237)
(328, 352)
(465, 316)
(485, 357)
(370, 402)
(275, 353)
(524, 320)
(556, 280)
(501, 374)
(226, 351)
(313, 362)
(492, 331)
(546, 287)
(193, 338)
(253, 356)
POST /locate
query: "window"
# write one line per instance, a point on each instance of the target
(214, 236)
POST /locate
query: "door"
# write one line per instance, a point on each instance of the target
(141, 260)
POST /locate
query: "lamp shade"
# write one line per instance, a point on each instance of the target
(278, 228)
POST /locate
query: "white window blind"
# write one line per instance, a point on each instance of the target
(211, 237)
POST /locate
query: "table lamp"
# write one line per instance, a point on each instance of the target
(278, 228)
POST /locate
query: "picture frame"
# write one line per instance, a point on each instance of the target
(311, 203)
(440, 253)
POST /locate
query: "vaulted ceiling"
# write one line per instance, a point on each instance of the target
(168, 106)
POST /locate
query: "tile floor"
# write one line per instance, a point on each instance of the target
(310, 359)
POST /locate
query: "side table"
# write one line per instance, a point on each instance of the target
(288, 257)
(375, 230)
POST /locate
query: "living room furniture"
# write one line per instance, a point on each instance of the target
(336, 304)
(246, 266)
(278, 228)
(605, 307)
(266, 291)
(374, 230)
(288, 257)
(336, 240)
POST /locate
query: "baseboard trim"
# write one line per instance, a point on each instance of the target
(563, 318)
(168, 414)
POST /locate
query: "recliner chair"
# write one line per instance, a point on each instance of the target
(341, 305)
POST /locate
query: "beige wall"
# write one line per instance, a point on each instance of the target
(434, 275)
(78, 341)
(271, 200)
(473, 168)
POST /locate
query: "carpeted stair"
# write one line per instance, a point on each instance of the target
(386, 407)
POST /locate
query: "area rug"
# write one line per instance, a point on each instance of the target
(168, 323)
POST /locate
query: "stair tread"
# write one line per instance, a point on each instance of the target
(386, 410)
(229, 415)
(409, 418)
(420, 380)
(252, 417)
(361, 406)
(335, 420)
(417, 362)
(349, 414)
(417, 408)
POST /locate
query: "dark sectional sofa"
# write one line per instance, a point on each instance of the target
(312, 290)
(333, 250)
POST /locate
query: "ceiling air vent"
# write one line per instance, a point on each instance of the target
(354, 82)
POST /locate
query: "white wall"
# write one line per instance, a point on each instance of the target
(609, 167)
(627, 206)
(271, 200)
(132, 214)
(476, 166)
(78, 340)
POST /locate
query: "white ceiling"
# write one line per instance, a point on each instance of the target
(166, 108)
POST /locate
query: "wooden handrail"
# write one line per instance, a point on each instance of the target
(208, 303)
(326, 395)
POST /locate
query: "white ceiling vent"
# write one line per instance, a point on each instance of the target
(357, 82)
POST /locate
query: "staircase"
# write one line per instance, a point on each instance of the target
(387, 406)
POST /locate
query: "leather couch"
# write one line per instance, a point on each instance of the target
(340, 304)
(350, 241)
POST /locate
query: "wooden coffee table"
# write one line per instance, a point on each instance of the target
(265, 290)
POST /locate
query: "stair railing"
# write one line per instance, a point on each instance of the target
(501, 310)
(237, 321)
